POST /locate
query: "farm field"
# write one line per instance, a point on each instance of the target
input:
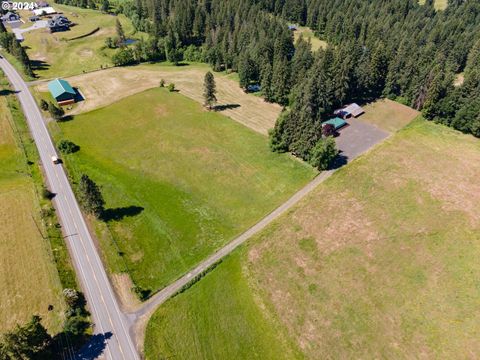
(308, 35)
(29, 281)
(380, 261)
(53, 55)
(388, 115)
(108, 86)
(179, 181)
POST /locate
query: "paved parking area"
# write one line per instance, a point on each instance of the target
(356, 138)
(41, 24)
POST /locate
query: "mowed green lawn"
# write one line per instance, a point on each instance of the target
(29, 281)
(381, 261)
(55, 55)
(183, 180)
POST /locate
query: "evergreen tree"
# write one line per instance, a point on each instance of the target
(121, 40)
(323, 154)
(90, 196)
(209, 90)
(106, 8)
(56, 112)
(30, 341)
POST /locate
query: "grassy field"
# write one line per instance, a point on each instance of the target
(29, 281)
(388, 115)
(439, 4)
(379, 262)
(181, 181)
(106, 87)
(54, 55)
(193, 334)
(308, 35)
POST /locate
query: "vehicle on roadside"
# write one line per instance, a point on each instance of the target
(56, 159)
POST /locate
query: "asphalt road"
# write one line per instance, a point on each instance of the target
(111, 324)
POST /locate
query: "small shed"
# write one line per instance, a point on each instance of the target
(62, 91)
(352, 110)
(337, 122)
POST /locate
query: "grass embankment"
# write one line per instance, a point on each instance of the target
(381, 261)
(54, 55)
(29, 281)
(179, 181)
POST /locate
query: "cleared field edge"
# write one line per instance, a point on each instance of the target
(53, 242)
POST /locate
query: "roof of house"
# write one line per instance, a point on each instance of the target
(45, 10)
(10, 14)
(353, 109)
(58, 20)
(336, 122)
(58, 87)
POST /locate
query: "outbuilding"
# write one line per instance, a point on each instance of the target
(352, 110)
(337, 123)
(44, 11)
(62, 91)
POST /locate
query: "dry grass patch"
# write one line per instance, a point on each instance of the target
(106, 87)
(29, 281)
(308, 35)
(380, 262)
(388, 115)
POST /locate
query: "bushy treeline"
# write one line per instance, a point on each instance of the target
(12, 46)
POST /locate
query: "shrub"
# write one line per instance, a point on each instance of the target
(328, 130)
(142, 294)
(67, 147)
(47, 194)
(171, 87)
(162, 83)
(43, 105)
(56, 112)
(323, 153)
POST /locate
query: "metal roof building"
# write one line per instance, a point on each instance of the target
(336, 122)
(62, 91)
(354, 110)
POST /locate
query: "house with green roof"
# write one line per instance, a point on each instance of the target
(62, 91)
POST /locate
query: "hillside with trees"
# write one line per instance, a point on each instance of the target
(397, 49)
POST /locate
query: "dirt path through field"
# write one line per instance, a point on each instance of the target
(105, 87)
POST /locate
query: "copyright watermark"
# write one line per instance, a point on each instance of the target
(7, 5)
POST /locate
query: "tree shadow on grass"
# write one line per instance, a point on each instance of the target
(226, 107)
(39, 65)
(6, 92)
(94, 348)
(118, 214)
(339, 161)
